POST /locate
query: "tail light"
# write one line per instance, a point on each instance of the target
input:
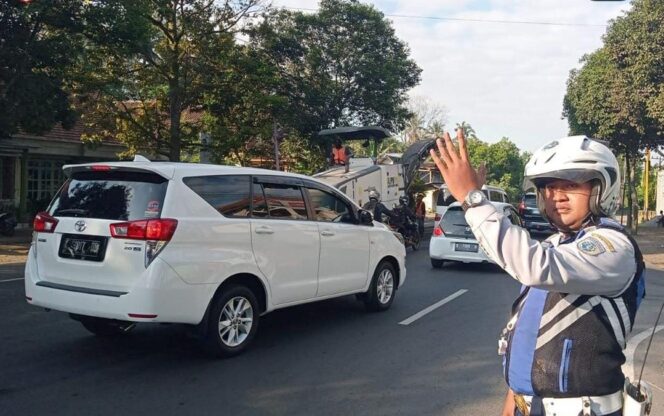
(100, 168)
(438, 231)
(159, 229)
(44, 223)
(522, 207)
(156, 233)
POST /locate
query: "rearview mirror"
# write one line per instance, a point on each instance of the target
(365, 217)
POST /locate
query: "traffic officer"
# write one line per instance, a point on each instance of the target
(562, 347)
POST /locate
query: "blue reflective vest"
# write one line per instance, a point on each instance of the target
(566, 345)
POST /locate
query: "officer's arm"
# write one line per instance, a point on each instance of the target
(509, 405)
(599, 263)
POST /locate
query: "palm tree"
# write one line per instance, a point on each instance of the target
(468, 131)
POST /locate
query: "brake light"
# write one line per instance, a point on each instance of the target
(99, 168)
(155, 230)
(44, 223)
(438, 231)
(156, 234)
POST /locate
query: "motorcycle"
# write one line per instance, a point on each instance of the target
(7, 224)
(405, 225)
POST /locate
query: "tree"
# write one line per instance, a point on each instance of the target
(33, 66)
(468, 130)
(504, 162)
(428, 119)
(152, 97)
(615, 94)
(342, 65)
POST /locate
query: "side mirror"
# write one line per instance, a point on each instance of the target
(365, 217)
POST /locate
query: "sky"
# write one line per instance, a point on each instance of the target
(506, 80)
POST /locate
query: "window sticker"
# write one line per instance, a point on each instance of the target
(152, 209)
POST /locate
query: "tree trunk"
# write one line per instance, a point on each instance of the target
(175, 111)
(628, 190)
(633, 218)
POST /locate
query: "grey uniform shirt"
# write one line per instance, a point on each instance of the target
(601, 262)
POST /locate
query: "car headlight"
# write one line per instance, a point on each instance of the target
(399, 237)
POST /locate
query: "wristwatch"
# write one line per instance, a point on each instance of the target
(473, 199)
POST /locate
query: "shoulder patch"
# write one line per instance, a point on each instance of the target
(606, 242)
(591, 246)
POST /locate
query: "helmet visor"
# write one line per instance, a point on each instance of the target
(573, 175)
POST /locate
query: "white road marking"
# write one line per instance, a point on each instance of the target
(633, 343)
(433, 307)
(10, 280)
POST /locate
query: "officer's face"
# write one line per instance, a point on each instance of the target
(567, 203)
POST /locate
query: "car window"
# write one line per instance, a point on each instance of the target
(284, 202)
(454, 223)
(328, 207)
(530, 200)
(259, 209)
(512, 216)
(112, 195)
(228, 194)
(444, 198)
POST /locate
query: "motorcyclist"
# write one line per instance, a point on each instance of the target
(377, 208)
(407, 217)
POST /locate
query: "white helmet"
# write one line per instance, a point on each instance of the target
(578, 159)
(374, 194)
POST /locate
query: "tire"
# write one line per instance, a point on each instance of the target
(416, 242)
(106, 327)
(233, 322)
(437, 264)
(382, 289)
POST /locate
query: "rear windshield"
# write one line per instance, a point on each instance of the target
(125, 196)
(454, 223)
(530, 200)
(444, 198)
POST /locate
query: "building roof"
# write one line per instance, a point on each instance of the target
(58, 133)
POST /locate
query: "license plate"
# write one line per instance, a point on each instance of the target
(469, 247)
(91, 248)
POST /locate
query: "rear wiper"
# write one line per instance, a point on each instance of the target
(75, 211)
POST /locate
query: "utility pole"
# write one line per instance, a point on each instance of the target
(277, 136)
(646, 180)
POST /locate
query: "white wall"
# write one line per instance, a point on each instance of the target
(660, 191)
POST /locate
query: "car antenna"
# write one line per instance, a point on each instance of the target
(654, 328)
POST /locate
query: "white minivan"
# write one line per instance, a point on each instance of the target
(211, 246)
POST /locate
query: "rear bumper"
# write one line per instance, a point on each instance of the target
(544, 227)
(442, 248)
(159, 295)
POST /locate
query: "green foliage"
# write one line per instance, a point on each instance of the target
(34, 59)
(151, 95)
(504, 161)
(342, 65)
(617, 95)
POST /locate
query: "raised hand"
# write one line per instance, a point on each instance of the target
(454, 165)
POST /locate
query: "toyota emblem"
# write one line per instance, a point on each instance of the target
(80, 226)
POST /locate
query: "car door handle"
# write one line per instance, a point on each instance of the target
(327, 233)
(264, 230)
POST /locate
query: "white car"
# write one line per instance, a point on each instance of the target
(453, 240)
(211, 246)
(444, 199)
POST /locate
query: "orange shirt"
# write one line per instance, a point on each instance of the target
(339, 156)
